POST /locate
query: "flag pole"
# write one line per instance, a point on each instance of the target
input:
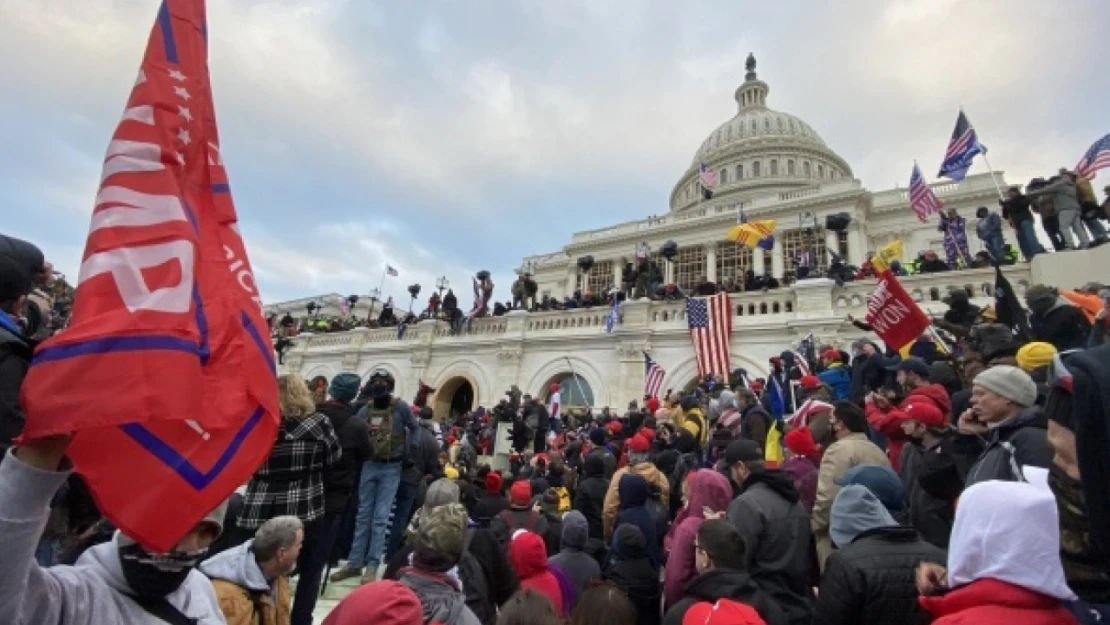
(990, 170)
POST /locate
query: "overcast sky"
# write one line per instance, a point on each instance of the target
(448, 137)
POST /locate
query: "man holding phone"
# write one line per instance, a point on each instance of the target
(1003, 429)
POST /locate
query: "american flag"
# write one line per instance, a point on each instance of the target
(962, 148)
(653, 377)
(710, 323)
(708, 177)
(391, 271)
(1095, 159)
(922, 200)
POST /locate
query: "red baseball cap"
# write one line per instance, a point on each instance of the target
(925, 413)
(810, 382)
(614, 426)
(638, 444)
(830, 354)
(648, 433)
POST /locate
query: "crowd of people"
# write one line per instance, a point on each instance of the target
(957, 481)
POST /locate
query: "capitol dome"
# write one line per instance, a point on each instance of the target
(759, 151)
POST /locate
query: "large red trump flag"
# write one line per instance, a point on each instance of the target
(893, 314)
(166, 372)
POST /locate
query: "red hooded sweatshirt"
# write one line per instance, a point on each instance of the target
(528, 556)
(889, 423)
(991, 602)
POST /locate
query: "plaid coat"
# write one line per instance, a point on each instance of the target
(291, 481)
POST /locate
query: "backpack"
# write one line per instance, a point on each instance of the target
(564, 498)
(529, 524)
(384, 438)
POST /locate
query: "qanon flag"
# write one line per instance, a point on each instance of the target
(893, 314)
(166, 372)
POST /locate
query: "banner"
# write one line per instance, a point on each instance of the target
(166, 372)
(893, 314)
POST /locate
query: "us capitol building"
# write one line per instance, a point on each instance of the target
(770, 164)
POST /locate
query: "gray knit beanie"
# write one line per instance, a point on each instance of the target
(1009, 382)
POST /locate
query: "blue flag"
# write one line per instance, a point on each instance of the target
(962, 148)
(776, 400)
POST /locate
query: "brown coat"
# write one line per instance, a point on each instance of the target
(612, 503)
(850, 451)
(239, 607)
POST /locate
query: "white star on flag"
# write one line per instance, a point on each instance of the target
(180, 158)
(183, 136)
(184, 112)
(182, 93)
(176, 75)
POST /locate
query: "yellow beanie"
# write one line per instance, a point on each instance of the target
(451, 472)
(1035, 355)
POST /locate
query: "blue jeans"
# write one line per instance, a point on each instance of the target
(406, 497)
(994, 246)
(377, 488)
(1027, 240)
(1098, 231)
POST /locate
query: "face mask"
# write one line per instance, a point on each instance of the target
(377, 391)
(156, 575)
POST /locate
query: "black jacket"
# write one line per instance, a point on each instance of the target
(426, 461)
(726, 584)
(1025, 434)
(871, 581)
(868, 374)
(15, 358)
(1016, 209)
(341, 478)
(776, 531)
(589, 497)
(632, 570)
(1065, 326)
(930, 515)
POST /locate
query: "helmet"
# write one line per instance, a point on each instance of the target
(381, 374)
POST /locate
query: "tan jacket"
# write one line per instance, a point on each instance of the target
(850, 451)
(240, 609)
(612, 504)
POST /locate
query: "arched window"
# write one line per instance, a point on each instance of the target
(574, 391)
(740, 172)
(790, 167)
(820, 171)
(780, 124)
(766, 125)
(774, 167)
(755, 169)
(805, 169)
(754, 126)
(791, 126)
(723, 175)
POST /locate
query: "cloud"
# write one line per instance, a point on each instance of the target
(466, 135)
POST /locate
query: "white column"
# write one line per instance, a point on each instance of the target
(758, 266)
(617, 267)
(856, 245)
(668, 271)
(776, 259)
(832, 242)
(711, 262)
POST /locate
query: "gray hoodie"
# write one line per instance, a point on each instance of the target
(855, 511)
(94, 591)
(237, 566)
(441, 602)
(579, 566)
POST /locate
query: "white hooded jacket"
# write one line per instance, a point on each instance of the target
(1010, 532)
